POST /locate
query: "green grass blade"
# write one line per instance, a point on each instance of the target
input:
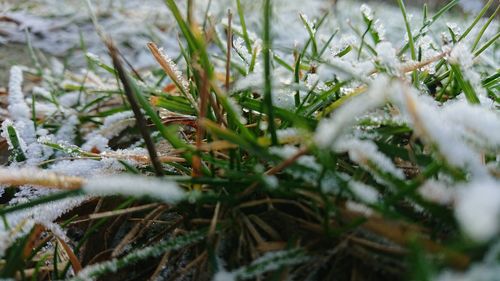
(266, 50)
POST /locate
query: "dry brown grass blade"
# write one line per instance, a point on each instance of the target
(218, 145)
(34, 237)
(193, 263)
(40, 271)
(415, 66)
(167, 68)
(134, 233)
(115, 213)
(252, 230)
(213, 222)
(402, 234)
(271, 246)
(144, 159)
(73, 259)
(41, 178)
(265, 227)
(377, 246)
(161, 265)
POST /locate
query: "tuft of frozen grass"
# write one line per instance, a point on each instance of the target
(369, 134)
(6, 124)
(421, 113)
(166, 191)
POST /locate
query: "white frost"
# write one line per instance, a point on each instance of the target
(478, 209)
(128, 185)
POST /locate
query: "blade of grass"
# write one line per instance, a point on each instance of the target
(476, 20)
(266, 50)
(485, 26)
(241, 15)
(297, 81)
(429, 23)
(410, 38)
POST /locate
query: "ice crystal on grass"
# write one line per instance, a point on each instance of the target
(366, 154)
(330, 129)
(18, 109)
(478, 208)
(364, 192)
(438, 192)
(166, 191)
(241, 50)
(360, 208)
(177, 75)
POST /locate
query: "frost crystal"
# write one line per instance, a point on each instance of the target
(178, 75)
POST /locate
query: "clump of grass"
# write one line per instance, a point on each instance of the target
(383, 165)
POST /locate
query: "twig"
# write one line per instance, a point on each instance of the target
(141, 120)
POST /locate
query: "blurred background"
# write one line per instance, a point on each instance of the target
(57, 27)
